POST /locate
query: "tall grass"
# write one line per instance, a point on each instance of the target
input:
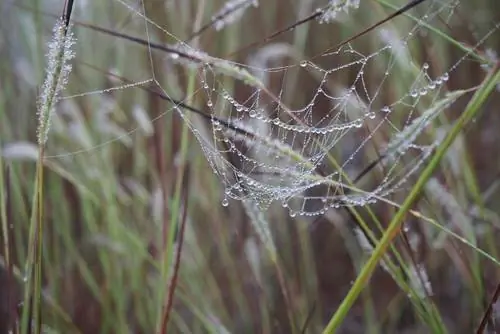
(108, 230)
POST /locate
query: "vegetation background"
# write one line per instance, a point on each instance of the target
(114, 216)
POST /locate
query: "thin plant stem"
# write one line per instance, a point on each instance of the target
(177, 262)
(37, 293)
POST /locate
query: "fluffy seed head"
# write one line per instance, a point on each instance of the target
(231, 12)
(335, 7)
(56, 76)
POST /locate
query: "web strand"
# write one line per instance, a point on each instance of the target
(267, 146)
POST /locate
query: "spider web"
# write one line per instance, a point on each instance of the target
(268, 145)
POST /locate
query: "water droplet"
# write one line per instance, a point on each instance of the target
(425, 66)
(303, 63)
(358, 123)
(414, 93)
(445, 77)
(217, 125)
(210, 104)
(225, 202)
(386, 109)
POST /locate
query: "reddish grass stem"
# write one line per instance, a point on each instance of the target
(487, 313)
(177, 261)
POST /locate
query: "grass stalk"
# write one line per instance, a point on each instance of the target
(6, 244)
(57, 73)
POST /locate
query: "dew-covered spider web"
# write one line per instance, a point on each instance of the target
(318, 131)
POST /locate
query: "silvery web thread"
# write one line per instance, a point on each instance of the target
(275, 121)
(392, 183)
(434, 84)
(132, 85)
(295, 181)
(218, 162)
(292, 180)
(153, 79)
(264, 191)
